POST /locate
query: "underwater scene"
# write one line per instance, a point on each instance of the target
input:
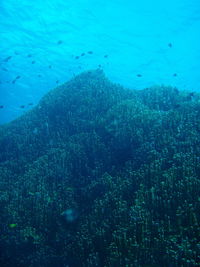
(99, 133)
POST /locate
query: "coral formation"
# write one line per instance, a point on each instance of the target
(99, 175)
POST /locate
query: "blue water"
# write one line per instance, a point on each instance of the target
(137, 43)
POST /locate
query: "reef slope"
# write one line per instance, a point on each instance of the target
(100, 175)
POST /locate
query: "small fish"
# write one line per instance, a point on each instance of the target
(1, 106)
(50, 66)
(4, 69)
(29, 55)
(77, 57)
(7, 59)
(83, 54)
(22, 106)
(17, 77)
(105, 56)
(90, 52)
(33, 62)
(70, 215)
(59, 42)
(57, 81)
(170, 45)
(12, 225)
(30, 104)
(39, 75)
(175, 74)
(139, 75)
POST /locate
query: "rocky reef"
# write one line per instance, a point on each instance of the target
(100, 175)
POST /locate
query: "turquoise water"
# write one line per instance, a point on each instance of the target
(42, 42)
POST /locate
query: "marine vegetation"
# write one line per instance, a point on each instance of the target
(100, 175)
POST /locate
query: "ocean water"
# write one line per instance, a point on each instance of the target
(45, 43)
(100, 133)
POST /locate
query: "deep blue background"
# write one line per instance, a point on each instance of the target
(159, 40)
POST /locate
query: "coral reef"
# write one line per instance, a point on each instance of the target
(99, 175)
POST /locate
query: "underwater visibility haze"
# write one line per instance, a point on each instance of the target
(137, 43)
(100, 133)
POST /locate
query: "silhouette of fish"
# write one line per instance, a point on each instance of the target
(7, 59)
(16, 78)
